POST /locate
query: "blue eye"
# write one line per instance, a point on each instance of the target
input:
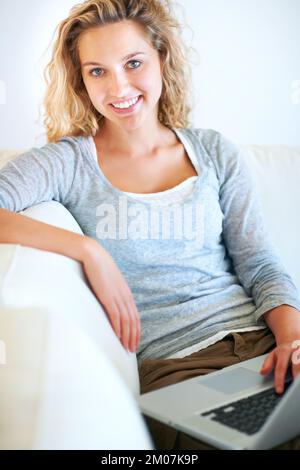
(135, 61)
(91, 72)
(130, 62)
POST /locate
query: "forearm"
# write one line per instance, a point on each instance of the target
(284, 321)
(22, 230)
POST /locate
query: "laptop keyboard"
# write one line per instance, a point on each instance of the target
(247, 414)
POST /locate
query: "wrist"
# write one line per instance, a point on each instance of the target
(89, 248)
(284, 321)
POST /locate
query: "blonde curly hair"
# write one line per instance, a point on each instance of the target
(67, 107)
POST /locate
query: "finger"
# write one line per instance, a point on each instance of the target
(295, 361)
(137, 320)
(130, 321)
(134, 324)
(268, 364)
(114, 318)
(125, 326)
(281, 370)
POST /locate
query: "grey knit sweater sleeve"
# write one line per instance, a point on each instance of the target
(39, 175)
(245, 235)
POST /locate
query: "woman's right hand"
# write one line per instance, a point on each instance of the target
(111, 289)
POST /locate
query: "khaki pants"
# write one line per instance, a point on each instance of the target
(157, 373)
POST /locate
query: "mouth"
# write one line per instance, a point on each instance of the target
(128, 109)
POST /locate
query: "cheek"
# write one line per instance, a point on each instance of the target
(148, 78)
(95, 93)
(89, 88)
(149, 83)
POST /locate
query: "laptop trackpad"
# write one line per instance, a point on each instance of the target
(233, 381)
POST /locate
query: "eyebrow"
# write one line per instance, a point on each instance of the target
(124, 58)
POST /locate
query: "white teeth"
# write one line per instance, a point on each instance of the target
(126, 104)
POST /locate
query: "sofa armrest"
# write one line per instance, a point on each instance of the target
(59, 390)
(32, 278)
(67, 382)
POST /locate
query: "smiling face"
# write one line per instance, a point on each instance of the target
(119, 64)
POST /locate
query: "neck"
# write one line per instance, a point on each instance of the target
(132, 143)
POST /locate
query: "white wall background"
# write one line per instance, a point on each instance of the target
(247, 81)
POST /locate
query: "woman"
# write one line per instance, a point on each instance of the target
(174, 247)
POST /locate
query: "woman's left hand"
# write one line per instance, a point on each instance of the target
(284, 355)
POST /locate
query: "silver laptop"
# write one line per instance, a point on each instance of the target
(234, 408)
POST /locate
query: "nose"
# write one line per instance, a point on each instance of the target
(118, 85)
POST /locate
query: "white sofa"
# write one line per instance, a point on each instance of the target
(66, 380)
